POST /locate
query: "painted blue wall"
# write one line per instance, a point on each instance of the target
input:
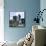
(30, 7)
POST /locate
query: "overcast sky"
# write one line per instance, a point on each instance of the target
(16, 14)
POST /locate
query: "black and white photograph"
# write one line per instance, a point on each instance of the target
(17, 19)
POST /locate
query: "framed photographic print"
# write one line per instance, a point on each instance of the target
(17, 19)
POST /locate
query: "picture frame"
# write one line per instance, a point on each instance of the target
(17, 19)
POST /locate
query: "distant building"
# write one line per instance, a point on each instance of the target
(15, 18)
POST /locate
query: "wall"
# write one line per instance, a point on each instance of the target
(43, 6)
(29, 7)
(1, 21)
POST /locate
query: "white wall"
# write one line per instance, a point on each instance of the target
(43, 6)
(1, 21)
